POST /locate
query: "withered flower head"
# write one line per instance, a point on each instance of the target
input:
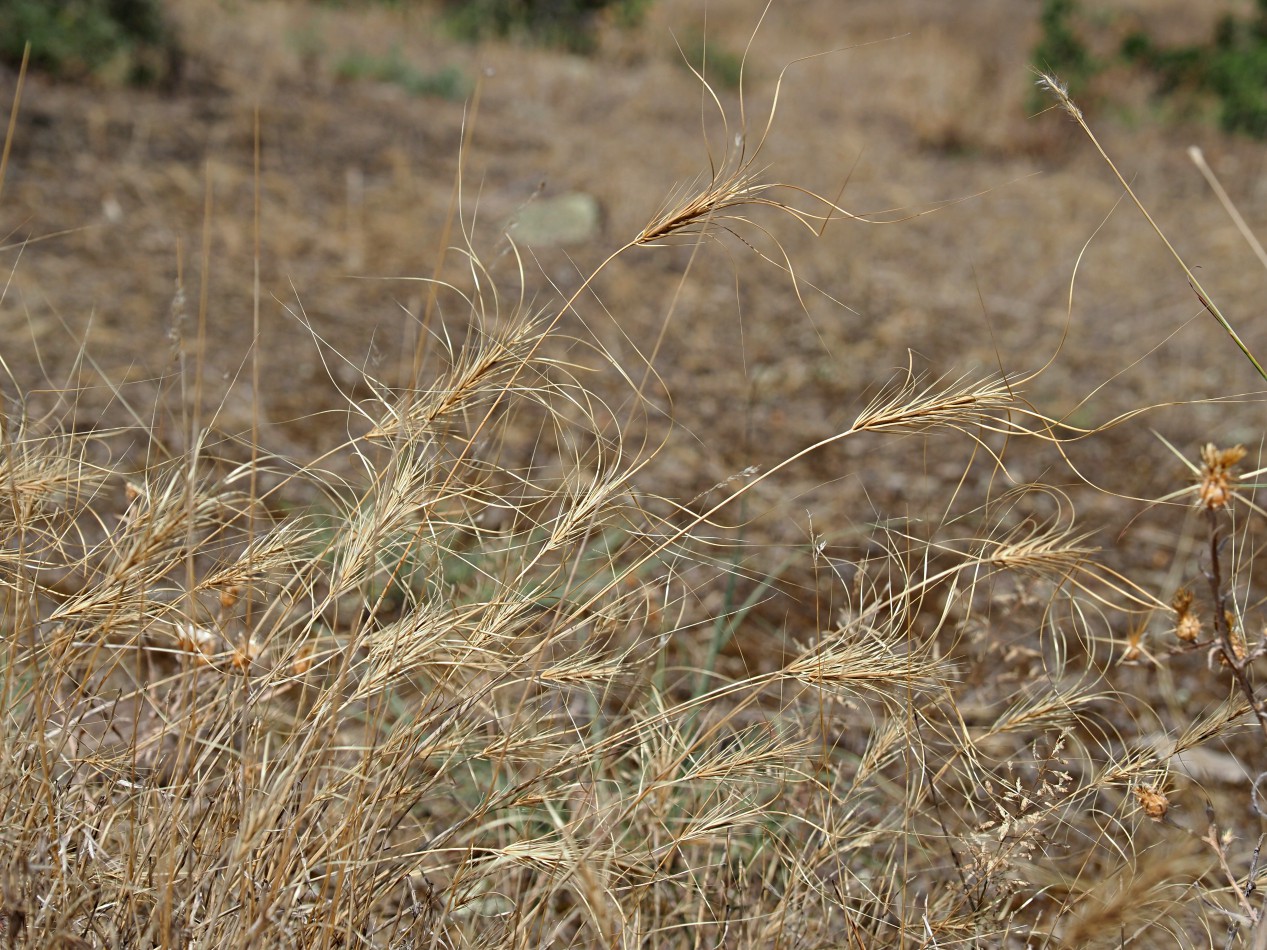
(1235, 638)
(1216, 475)
(1187, 623)
(1189, 628)
(1153, 801)
(199, 641)
(1181, 603)
(246, 654)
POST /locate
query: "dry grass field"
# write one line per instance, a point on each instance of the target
(847, 538)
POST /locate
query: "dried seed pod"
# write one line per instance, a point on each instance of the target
(1235, 637)
(1181, 603)
(1189, 628)
(303, 660)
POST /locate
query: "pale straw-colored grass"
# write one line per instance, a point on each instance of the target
(466, 701)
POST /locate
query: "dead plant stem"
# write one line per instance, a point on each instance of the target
(1235, 659)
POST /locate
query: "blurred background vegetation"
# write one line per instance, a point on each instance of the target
(133, 42)
(1227, 70)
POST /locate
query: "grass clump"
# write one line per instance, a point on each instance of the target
(470, 698)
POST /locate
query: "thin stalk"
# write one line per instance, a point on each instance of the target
(1062, 95)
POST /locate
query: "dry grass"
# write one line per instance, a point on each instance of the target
(470, 677)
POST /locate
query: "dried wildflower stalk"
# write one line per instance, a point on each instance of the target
(1215, 490)
(1216, 493)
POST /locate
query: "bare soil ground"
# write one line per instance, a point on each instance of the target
(912, 107)
(925, 106)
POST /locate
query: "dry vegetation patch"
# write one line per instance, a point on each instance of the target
(845, 546)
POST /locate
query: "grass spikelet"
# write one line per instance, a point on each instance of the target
(915, 404)
(857, 659)
(481, 369)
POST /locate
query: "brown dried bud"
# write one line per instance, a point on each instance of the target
(302, 662)
(1235, 637)
(1153, 801)
(245, 655)
(1181, 603)
(1216, 475)
(204, 644)
(1187, 624)
(1189, 628)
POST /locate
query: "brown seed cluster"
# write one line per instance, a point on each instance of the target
(1216, 475)
(303, 660)
(245, 654)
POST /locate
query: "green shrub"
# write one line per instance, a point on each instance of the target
(447, 83)
(1060, 50)
(124, 40)
(566, 23)
(1237, 73)
(1231, 67)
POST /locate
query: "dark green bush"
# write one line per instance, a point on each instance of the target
(1231, 66)
(76, 39)
(1060, 50)
(1238, 73)
(565, 23)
